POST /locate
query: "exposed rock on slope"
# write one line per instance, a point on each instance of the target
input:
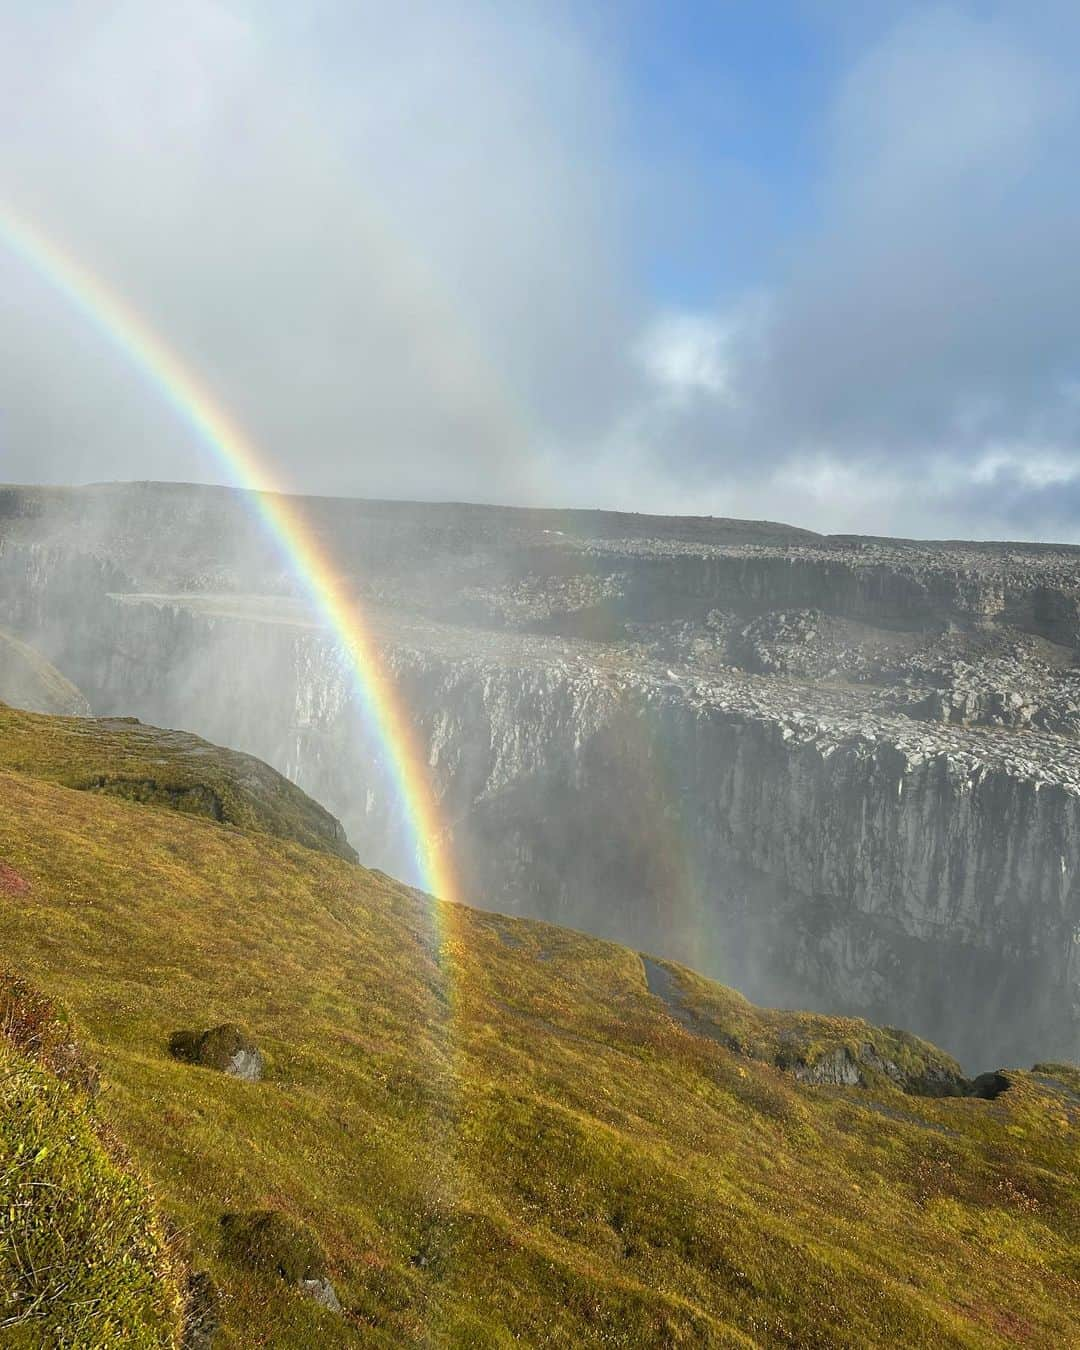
(225, 1048)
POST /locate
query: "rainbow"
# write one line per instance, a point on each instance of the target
(309, 561)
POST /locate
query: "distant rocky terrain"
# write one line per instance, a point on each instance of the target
(834, 772)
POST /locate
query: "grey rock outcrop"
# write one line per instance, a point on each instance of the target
(836, 1068)
(323, 1293)
(202, 1316)
(225, 1048)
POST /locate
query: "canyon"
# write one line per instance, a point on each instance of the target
(835, 772)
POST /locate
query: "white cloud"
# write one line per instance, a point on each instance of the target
(685, 354)
(930, 319)
(1027, 465)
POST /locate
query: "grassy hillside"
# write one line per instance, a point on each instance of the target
(27, 680)
(494, 1132)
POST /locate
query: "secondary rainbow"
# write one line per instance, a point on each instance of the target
(115, 318)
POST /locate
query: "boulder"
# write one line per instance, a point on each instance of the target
(202, 1318)
(989, 1086)
(323, 1293)
(225, 1048)
(275, 1244)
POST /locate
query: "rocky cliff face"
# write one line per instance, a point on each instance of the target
(795, 765)
(824, 854)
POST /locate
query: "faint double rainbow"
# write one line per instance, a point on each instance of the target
(281, 515)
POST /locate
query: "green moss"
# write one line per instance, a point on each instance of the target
(197, 799)
(37, 1027)
(184, 1045)
(219, 1045)
(82, 1258)
(1067, 1074)
(798, 1041)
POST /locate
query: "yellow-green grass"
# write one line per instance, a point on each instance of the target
(83, 1259)
(498, 1134)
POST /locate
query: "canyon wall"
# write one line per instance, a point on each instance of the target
(812, 856)
(829, 841)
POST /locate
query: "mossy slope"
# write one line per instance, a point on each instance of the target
(499, 1135)
(121, 757)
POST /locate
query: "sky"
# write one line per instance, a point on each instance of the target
(813, 261)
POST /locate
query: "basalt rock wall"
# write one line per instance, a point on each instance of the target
(891, 590)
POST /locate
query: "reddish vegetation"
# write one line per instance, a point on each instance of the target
(27, 1019)
(10, 881)
(34, 1025)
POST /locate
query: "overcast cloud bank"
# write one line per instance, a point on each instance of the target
(402, 252)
